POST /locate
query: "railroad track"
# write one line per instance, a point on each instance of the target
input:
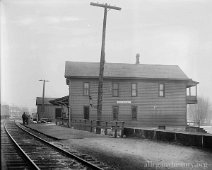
(42, 154)
(12, 158)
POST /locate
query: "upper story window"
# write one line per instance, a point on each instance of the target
(161, 90)
(133, 89)
(115, 89)
(86, 89)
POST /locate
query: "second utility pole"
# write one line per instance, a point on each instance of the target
(102, 61)
(43, 96)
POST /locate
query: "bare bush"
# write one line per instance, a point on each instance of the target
(199, 112)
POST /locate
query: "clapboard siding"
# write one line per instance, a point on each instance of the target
(152, 109)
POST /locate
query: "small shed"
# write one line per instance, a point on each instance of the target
(61, 114)
(50, 110)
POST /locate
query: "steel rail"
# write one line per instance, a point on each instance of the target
(34, 166)
(91, 165)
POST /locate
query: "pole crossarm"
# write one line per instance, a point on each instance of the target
(105, 6)
(44, 80)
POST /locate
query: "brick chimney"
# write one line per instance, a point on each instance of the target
(137, 58)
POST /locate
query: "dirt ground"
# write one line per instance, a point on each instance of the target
(130, 153)
(125, 154)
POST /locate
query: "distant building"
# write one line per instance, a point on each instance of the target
(138, 94)
(17, 111)
(5, 111)
(50, 112)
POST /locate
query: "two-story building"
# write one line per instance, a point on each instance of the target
(138, 94)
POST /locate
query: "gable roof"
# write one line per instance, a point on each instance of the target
(121, 70)
(39, 100)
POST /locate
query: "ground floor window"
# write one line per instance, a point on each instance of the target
(134, 112)
(86, 112)
(58, 112)
(115, 112)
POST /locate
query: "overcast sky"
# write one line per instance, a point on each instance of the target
(38, 36)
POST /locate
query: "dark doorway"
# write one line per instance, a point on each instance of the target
(134, 112)
(58, 112)
(115, 112)
(86, 112)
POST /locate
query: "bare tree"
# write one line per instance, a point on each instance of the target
(199, 112)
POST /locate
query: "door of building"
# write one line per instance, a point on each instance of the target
(115, 112)
(86, 112)
(58, 113)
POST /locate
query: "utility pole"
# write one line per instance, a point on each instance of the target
(102, 61)
(43, 108)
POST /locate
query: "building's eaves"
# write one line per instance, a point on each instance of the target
(124, 71)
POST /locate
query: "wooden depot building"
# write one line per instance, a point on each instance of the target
(141, 95)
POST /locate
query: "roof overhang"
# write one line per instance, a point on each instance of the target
(68, 78)
(191, 83)
(63, 101)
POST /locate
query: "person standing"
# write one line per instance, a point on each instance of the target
(27, 118)
(24, 118)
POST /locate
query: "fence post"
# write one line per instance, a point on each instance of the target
(69, 123)
(75, 123)
(85, 124)
(105, 128)
(91, 126)
(116, 130)
(80, 124)
(122, 130)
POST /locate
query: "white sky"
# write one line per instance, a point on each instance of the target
(38, 36)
